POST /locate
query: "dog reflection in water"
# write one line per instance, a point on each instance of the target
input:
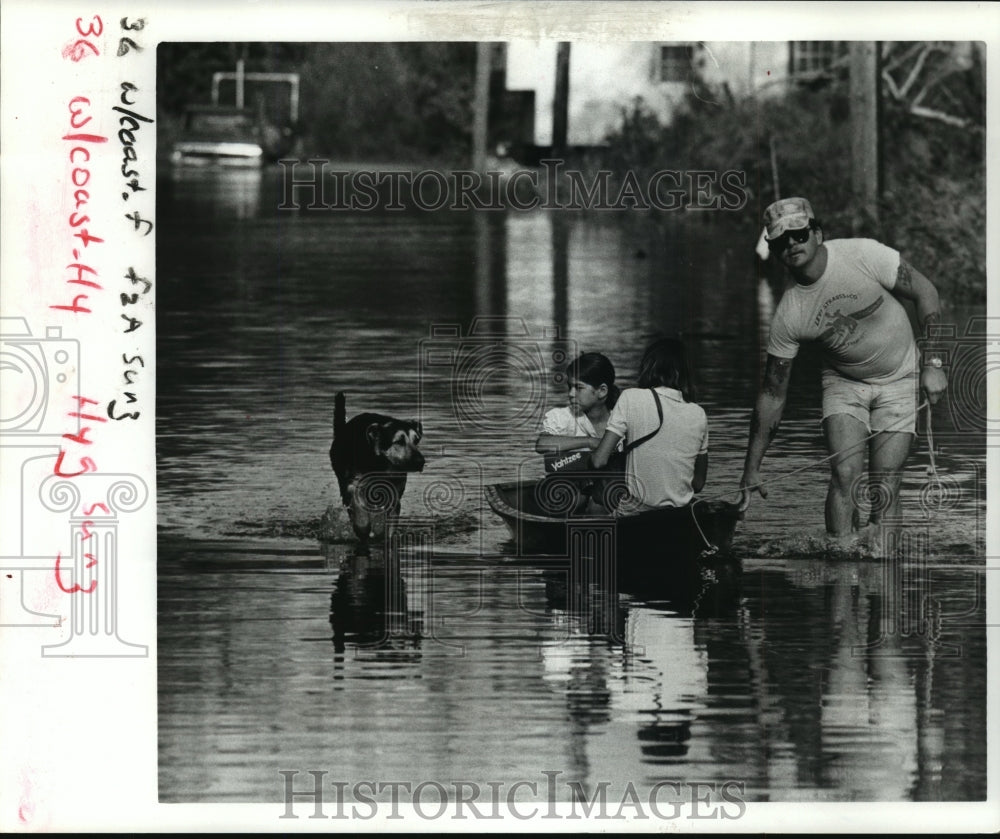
(368, 606)
(371, 456)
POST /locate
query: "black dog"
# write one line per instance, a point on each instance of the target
(371, 455)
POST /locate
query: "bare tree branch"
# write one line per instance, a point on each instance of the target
(915, 71)
(931, 113)
(891, 84)
(903, 57)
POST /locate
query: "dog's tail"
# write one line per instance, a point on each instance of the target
(339, 413)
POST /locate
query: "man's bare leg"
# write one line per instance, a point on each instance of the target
(889, 450)
(845, 436)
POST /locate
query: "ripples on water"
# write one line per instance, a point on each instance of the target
(806, 673)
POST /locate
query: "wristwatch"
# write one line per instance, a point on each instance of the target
(933, 361)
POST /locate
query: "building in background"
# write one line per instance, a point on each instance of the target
(605, 79)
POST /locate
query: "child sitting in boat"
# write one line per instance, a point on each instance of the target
(570, 434)
(592, 394)
(671, 465)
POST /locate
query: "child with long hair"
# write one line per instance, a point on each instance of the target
(671, 464)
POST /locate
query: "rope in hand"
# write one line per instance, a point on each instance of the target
(711, 549)
(934, 479)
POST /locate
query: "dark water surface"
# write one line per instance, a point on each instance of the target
(800, 674)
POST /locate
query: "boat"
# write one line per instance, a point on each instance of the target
(700, 529)
(215, 135)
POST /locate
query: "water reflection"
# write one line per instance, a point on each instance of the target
(837, 680)
(803, 679)
(369, 607)
(590, 588)
(560, 268)
(219, 192)
(807, 679)
(491, 264)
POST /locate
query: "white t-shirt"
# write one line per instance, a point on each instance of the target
(564, 423)
(660, 471)
(864, 331)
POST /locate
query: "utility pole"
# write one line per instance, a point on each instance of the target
(866, 176)
(481, 106)
(240, 75)
(560, 101)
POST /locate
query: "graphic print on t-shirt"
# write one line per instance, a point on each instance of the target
(840, 327)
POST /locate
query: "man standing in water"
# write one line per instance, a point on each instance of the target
(846, 296)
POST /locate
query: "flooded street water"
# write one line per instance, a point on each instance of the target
(794, 674)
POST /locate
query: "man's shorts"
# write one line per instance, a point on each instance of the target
(889, 407)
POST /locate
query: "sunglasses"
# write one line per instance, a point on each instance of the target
(789, 236)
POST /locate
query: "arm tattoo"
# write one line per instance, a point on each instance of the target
(912, 285)
(775, 375)
(904, 278)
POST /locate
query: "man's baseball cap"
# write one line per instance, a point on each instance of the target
(787, 214)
